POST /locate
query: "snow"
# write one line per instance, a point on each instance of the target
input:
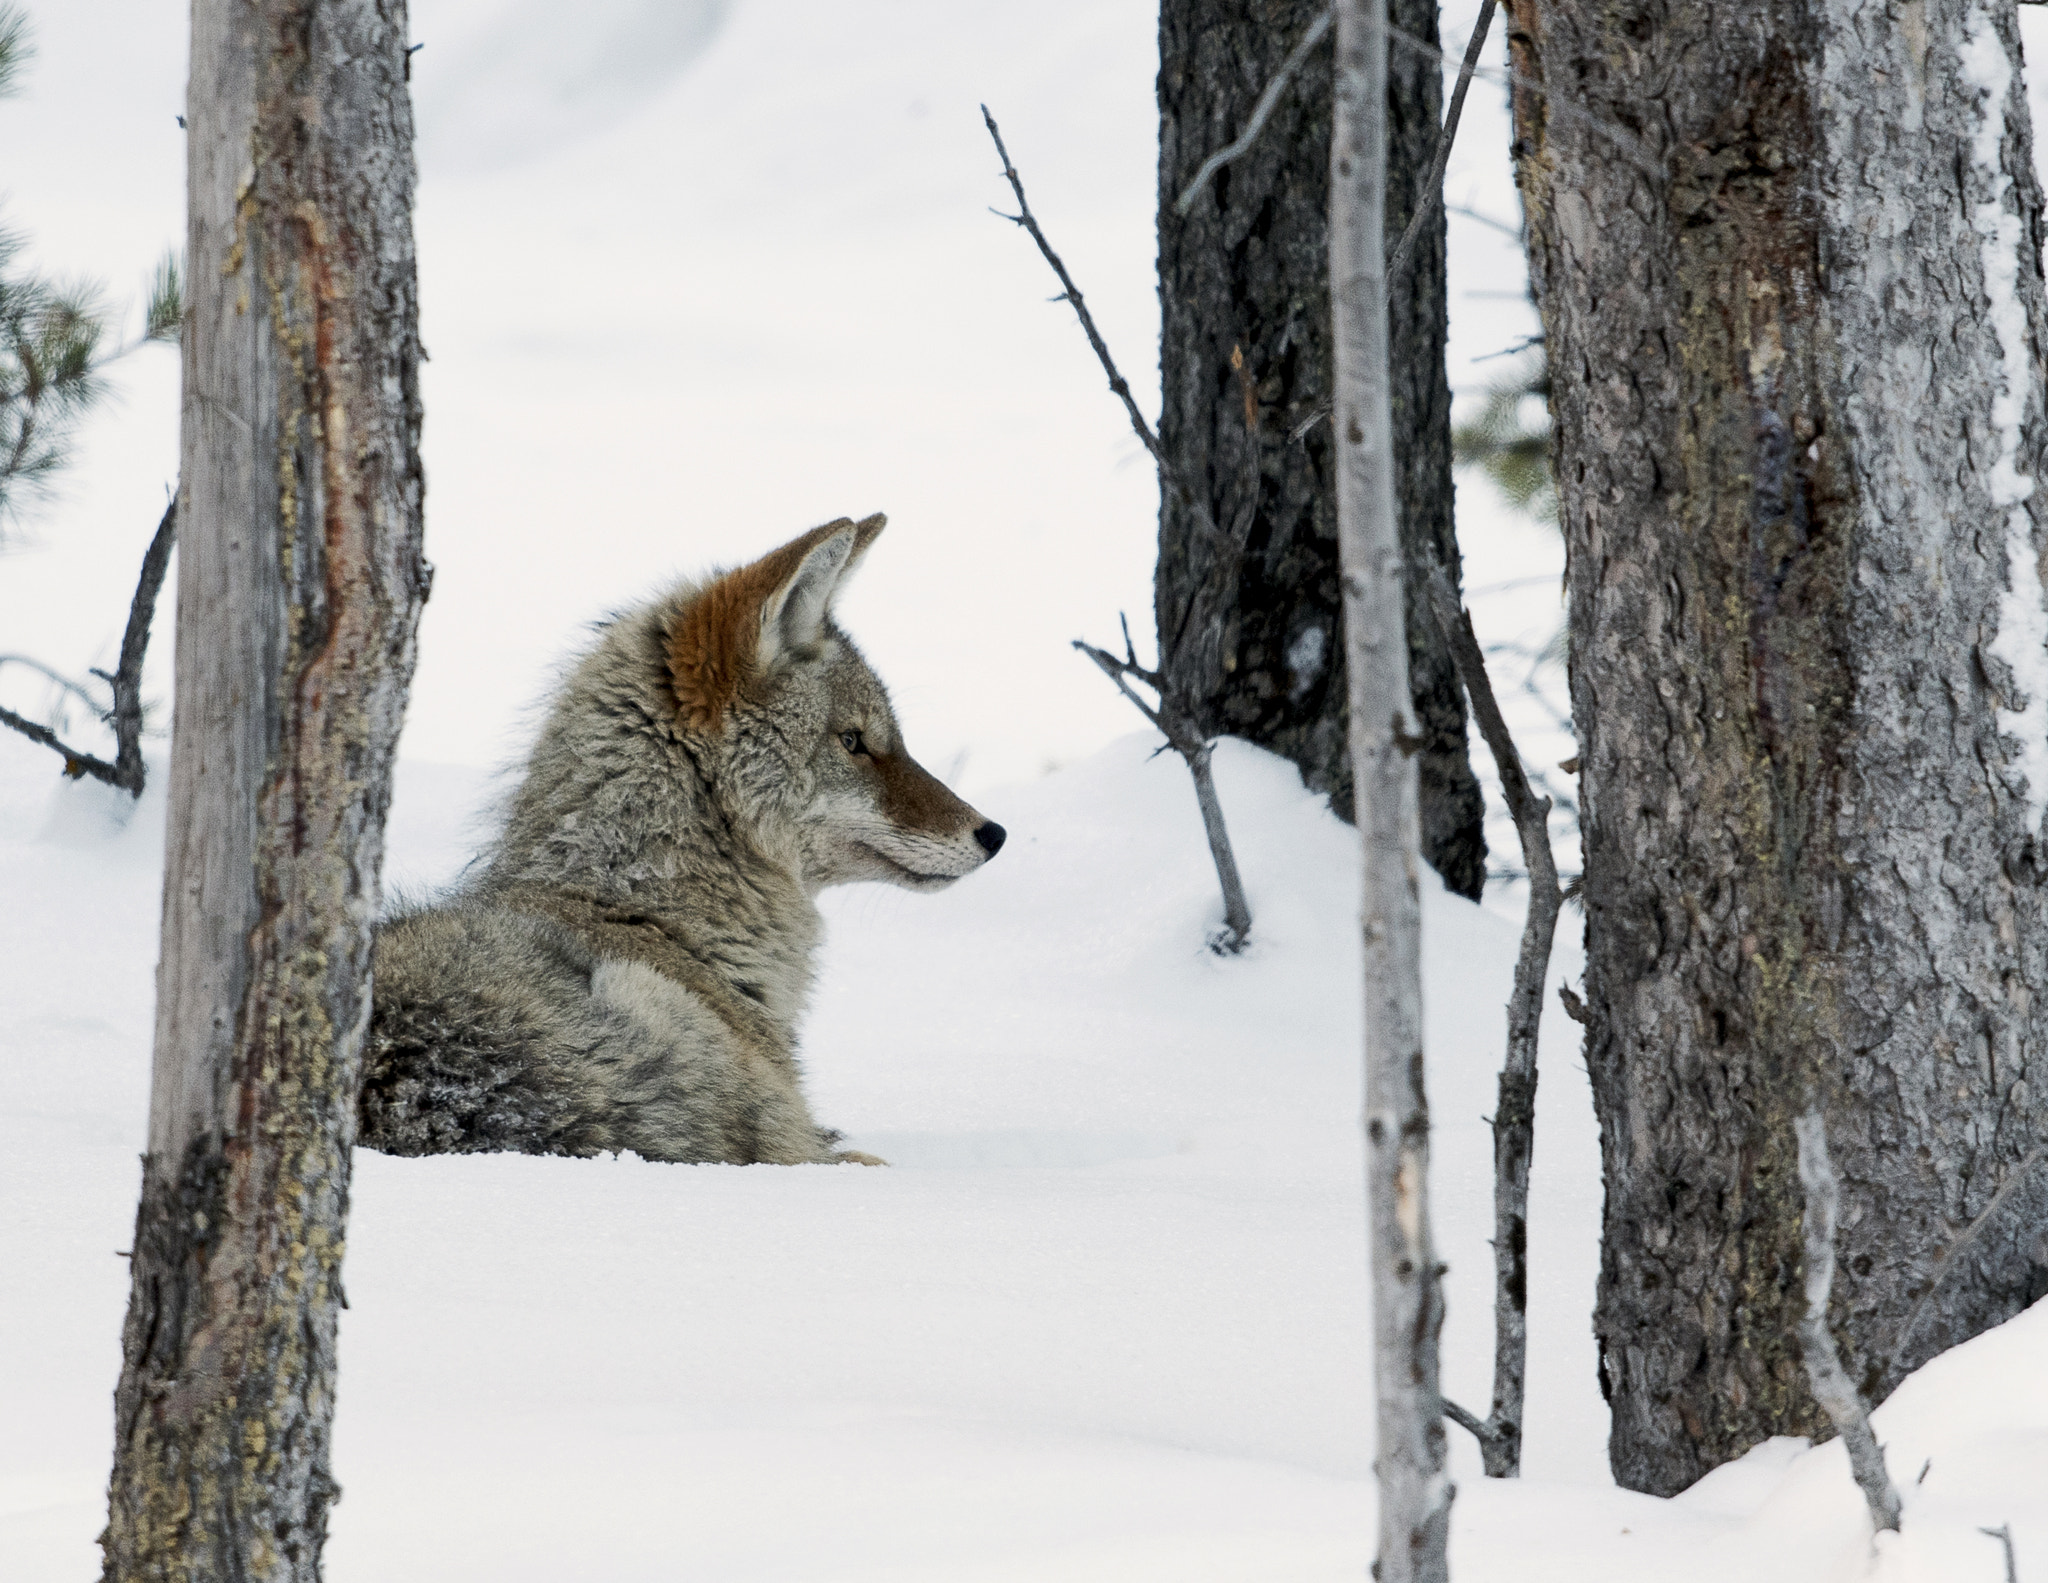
(1103, 1319)
(2022, 640)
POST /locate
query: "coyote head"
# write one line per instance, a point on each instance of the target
(801, 728)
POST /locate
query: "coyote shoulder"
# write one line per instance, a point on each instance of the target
(628, 966)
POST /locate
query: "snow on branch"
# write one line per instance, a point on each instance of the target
(1831, 1384)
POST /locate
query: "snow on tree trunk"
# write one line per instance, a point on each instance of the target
(299, 586)
(1415, 1494)
(1252, 639)
(1788, 259)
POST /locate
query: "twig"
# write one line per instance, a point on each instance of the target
(1433, 183)
(1998, 1202)
(1831, 1384)
(1501, 225)
(55, 677)
(1172, 723)
(127, 678)
(2003, 1532)
(1630, 145)
(1514, 1117)
(1169, 477)
(128, 771)
(1263, 110)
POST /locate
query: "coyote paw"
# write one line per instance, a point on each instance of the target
(855, 1157)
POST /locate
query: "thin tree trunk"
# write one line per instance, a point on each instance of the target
(1789, 269)
(1415, 1495)
(1249, 632)
(299, 588)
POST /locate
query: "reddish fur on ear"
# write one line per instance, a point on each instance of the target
(715, 637)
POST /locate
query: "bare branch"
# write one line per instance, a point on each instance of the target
(127, 772)
(1630, 145)
(1514, 1117)
(1831, 1384)
(1263, 110)
(55, 677)
(127, 678)
(2003, 1532)
(1173, 723)
(1501, 225)
(1433, 183)
(1169, 477)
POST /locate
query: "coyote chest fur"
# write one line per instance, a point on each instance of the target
(628, 967)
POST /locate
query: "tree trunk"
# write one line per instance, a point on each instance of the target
(1789, 267)
(1249, 632)
(1407, 1290)
(299, 586)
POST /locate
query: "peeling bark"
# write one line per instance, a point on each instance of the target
(1251, 633)
(1790, 414)
(299, 588)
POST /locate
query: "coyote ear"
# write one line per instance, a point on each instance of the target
(749, 621)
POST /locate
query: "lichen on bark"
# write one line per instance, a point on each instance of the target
(300, 584)
(1809, 870)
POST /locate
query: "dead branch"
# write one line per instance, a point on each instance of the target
(1169, 476)
(1433, 183)
(1831, 1385)
(1514, 1118)
(1263, 110)
(1632, 147)
(127, 772)
(1173, 724)
(1501, 225)
(1999, 1200)
(2003, 1532)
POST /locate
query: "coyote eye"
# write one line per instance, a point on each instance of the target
(850, 740)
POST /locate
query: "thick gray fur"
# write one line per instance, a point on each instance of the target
(628, 967)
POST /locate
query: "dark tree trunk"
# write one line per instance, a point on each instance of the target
(299, 587)
(1789, 269)
(1250, 632)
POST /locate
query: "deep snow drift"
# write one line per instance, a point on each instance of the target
(1103, 1320)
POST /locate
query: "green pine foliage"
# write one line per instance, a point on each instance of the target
(15, 48)
(50, 335)
(53, 337)
(1508, 439)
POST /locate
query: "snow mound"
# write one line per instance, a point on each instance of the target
(1105, 1319)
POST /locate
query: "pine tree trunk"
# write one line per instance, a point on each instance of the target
(299, 586)
(1252, 635)
(1790, 279)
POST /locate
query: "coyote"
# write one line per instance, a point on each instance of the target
(628, 965)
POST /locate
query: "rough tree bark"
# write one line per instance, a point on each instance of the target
(1407, 1287)
(1252, 634)
(299, 588)
(1788, 259)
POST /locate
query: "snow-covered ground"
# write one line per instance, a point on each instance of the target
(1103, 1320)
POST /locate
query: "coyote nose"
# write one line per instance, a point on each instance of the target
(991, 836)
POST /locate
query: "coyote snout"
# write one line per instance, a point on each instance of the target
(628, 969)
